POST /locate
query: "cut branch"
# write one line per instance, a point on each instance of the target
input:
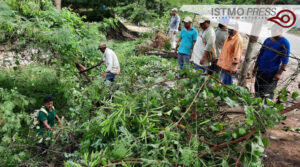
(220, 146)
(188, 109)
(291, 108)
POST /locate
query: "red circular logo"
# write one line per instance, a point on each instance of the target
(285, 18)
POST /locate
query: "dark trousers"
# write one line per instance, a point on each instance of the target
(213, 68)
(265, 85)
(110, 77)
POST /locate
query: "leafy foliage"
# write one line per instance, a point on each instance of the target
(39, 25)
(148, 117)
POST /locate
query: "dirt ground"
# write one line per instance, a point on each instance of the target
(284, 148)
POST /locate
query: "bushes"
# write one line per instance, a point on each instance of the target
(36, 83)
(41, 26)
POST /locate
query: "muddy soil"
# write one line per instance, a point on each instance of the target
(284, 148)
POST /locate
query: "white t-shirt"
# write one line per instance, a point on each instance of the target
(111, 61)
(198, 51)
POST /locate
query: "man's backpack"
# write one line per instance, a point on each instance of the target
(35, 116)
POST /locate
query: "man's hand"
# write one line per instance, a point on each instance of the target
(104, 75)
(254, 73)
(118, 73)
(202, 61)
(232, 67)
(59, 123)
(277, 77)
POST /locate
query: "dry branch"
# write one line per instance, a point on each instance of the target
(80, 67)
(187, 110)
(291, 108)
(246, 137)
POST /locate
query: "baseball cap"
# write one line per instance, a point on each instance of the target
(174, 10)
(203, 19)
(188, 19)
(233, 26)
(102, 45)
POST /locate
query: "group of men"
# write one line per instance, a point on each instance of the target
(220, 51)
(212, 51)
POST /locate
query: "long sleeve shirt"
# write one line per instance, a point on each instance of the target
(111, 61)
(174, 24)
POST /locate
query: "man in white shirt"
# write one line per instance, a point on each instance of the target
(173, 27)
(111, 61)
(204, 49)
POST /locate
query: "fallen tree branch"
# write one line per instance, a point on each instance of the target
(220, 82)
(291, 108)
(81, 68)
(188, 109)
(188, 131)
(246, 137)
(124, 162)
(241, 153)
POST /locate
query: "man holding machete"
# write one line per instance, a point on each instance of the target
(111, 61)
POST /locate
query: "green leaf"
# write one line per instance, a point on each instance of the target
(230, 102)
(265, 142)
(249, 121)
(295, 95)
(224, 163)
(242, 131)
(234, 135)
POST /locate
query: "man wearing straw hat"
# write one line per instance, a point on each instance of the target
(173, 27)
(111, 61)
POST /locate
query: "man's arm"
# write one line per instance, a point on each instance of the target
(169, 27)
(45, 123)
(209, 46)
(58, 119)
(204, 57)
(284, 60)
(100, 62)
(178, 44)
(237, 55)
(177, 24)
(261, 51)
(193, 48)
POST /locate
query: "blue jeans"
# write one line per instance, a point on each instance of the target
(183, 60)
(226, 78)
(197, 67)
(110, 77)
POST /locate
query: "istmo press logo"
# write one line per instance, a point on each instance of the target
(258, 20)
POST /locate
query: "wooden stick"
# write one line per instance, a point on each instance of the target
(188, 109)
(291, 108)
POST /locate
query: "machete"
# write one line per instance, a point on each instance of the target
(88, 69)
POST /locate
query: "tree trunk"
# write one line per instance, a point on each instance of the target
(245, 67)
(251, 44)
(58, 4)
